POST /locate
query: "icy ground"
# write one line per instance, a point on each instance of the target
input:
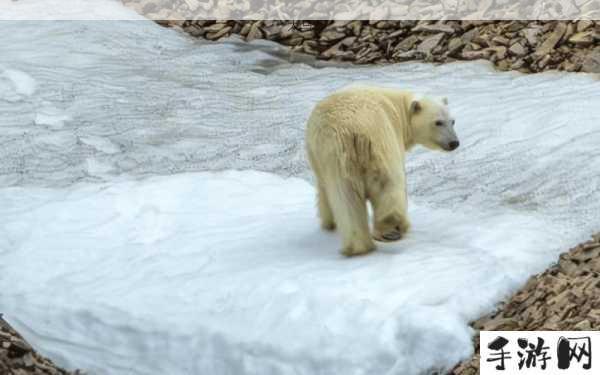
(137, 235)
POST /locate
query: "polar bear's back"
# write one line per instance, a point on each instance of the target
(358, 109)
(356, 127)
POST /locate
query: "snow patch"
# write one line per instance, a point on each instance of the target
(50, 116)
(237, 260)
(15, 85)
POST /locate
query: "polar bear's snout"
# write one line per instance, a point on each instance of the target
(453, 145)
(448, 140)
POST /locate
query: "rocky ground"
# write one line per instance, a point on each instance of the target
(526, 46)
(17, 357)
(563, 298)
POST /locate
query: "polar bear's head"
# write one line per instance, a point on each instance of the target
(432, 125)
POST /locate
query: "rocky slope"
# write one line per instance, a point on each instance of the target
(526, 46)
(564, 297)
(17, 357)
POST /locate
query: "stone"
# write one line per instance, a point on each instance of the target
(336, 52)
(475, 55)
(435, 28)
(408, 55)
(218, 34)
(430, 43)
(591, 64)
(255, 32)
(195, 31)
(348, 41)
(455, 45)
(531, 35)
(214, 27)
(518, 64)
(499, 51)
(355, 27)
(583, 39)
(28, 360)
(293, 41)
(469, 36)
(394, 35)
(501, 40)
(503, 65)
(309, 47)
(551, 41)
(19, 348)
(385, 24)
(584, 25)
(517, 50)
(245, 29)
(331, 35)
(407, 43)
(272, 32)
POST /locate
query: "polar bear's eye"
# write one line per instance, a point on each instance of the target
(439, 123)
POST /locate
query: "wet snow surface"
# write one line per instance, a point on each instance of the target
(158, 215)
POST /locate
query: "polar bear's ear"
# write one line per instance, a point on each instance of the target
(445, 100)
(415, 106)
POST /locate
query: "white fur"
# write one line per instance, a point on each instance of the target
(356, 142)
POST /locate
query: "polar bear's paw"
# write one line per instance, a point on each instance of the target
(328, 225)
(359, 249)
(391, 229)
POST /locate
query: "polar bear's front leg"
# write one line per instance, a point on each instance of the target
(350, 211)
(390, 214)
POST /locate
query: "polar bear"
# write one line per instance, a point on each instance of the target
(356, 141)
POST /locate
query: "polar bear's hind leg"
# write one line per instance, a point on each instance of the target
(325, 212)
(350, 211)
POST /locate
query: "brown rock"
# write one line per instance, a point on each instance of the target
(499, 51)
(503, 65)
(531, 35)
(308, 46)
(214, 27)
(385, 24)
(455, 45)
(331, 35)
(216, 35)
(551, 41)
(18, 348)
(255, 32)
(336, 52)
(293, 41)
(355, 27)
(195, 31)
(435, 28)
(430, 43)
(348, 41)
(408, 55)
(475, 55)
(272, 32)
(245, 29)
(407, 43)
(394, 35)
(584, 25)
(517, 50)
(591, 64)
(469, 36)
(501, 40)
(583, 39)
